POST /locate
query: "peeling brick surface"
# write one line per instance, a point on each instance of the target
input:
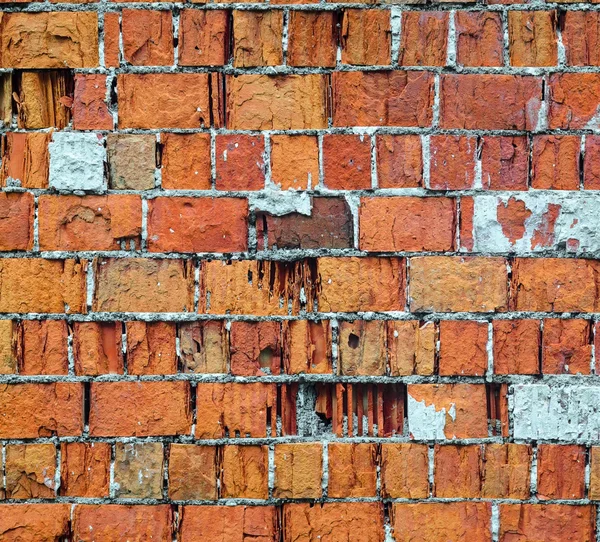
(299, 271)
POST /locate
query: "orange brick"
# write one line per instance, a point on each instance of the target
(312, 38)
(151, 348)
(203, 37)
(85, 469)
(307, 347)
(567, 346)
(298, 469)
(30, 471)
(294, 161)
(432, 522)
(147, 37)
(548, 522)
(580, 37)
(97, 348)
(404, 471)
(145, 409)
(255, 348)
(366, 37)
(506, 471)
(245, 472)
(185, 161)
(452, 165)
(257, 38)
(479, 38)
(504, 163)
(555, 163)
(240, 162)
(192, 472)
(561, 471)
(463, 348)
(411, 347)
(412, 229)
(352, 470)
(90, 222)
(457, 471)
(347, 161)
(571, 100)
(34, 521)
(517, 346)
(62, 414)
(424, 38)
(464, 407)
(16, 221)
(399, 161)
(25, 159)
(112, 31)
(197, 225)
(455, 284)
(591, 163)
(90, 110)
(143, 285)
(362, 348)
(10, 340)
(532, 38)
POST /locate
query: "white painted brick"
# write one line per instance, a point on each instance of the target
(556, 412)
(77, 161)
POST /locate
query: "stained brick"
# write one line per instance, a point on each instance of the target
(97, 348)
(452, 165)
(504, 163)
(532, 38)
(203, 347)
(399, 161)
(132, 161)
(151, 348)
(138, 470)
(362, 348)
(366, 37)
(192, 472)
(30, 471)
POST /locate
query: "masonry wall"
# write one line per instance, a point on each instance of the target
(311, 272)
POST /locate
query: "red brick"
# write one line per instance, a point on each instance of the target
(573, 100)
(457, 284)
(555, 163)
(151, 348)
(112, 30)
(257, 38)
(490, 102)
(591, 163)
(548, 522)
(432, 522)
(85, 469)
(366, 37)
(404, 471)
(203, 37)
(504, 163)
(89, 222)
(239, 523)
(298, 469)
(61, 415)
(30, 471)
(181, 98)
(147, 37)
(42, 347)
(99, 522)
(554, 285)
(307, 347)
(240, 162)
(424, 38)
(580, 33)
(312, 38)
(245, 472)
(463, 348)
(465, 225)
(185, 161)
(203, 347)
(567, 346)
(468, 402)
(90, 110)
(517, 346)
(457, 471)
(479, 38)
(560, 471)
(506, 471)
(399, 161)
(192, 472)
(411, 347)
(255, 348)
(145, 409)
(276, 102)
(347, 161)
(361, 284)
(143, 285)
(294, 161)
(512, 216)
(16, 221)
(356, 521)
(25, 159)
(361, 350)
(452, 165)
(197, 225)
(392, 98)
(20, 522)
(532, 38)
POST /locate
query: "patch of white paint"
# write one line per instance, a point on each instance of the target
(427, 422)
(280, 202)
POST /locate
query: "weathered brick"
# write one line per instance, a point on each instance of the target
(85, 469)
(580, 34)
(560, 471)
(404, 471)
(257, 38)
(245, 472)
(504, 163)
(145, 409)
(555, 162)
(22, 417)
(352, 470)
(203, 37)
(197, 225)
(566, 346)
(298, 469)
(411, 347)
(452, 165)
(591, 163)
(34, 521)
(532, 38)
(479, 38)
(192, 472)
(347, 162)
(506, 471)
(97, 348)
(112, 31)
(90, 222)
(151, 348)
(573, 99)
(594, 487)
(423, 38)
(294, 161)
(312, 38)
(399, 161)
(366, 37)
(463, 348)
(90, 110)
(517, 346)
(393, 98)
(138, 470)
(9, 346)
(25, 159)
(147, 37)
(255, 348)
(16, 221)
(457, 471)
(185, 161)
(132, 161)
(240, 162)
(143, 285)
(307, 347)
(362, 348)
(30, 471)
(41, 347)
(203, 347)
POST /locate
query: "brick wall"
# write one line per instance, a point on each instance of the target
(304, 272)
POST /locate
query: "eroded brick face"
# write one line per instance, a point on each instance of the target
(277, 271)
